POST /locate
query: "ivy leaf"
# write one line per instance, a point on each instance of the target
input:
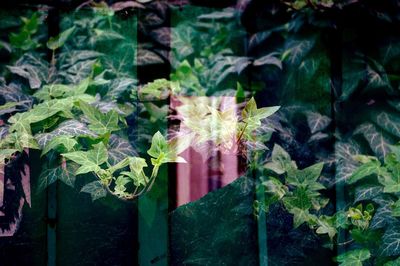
(56, 42)
(317, 122)
(391, 242)
(21, 141)
(120, 187)
(269, 59)
(383, 217)
(6, 154)
(136, 165)
(99, 122)
(299, 200)
(306, 177)
(367, 192)
(162, 151)
(148, 57)
(95, 189)
(48, 177)
(119, 149)
(389, 122)
(326, 225)
(159, 146)
(107, 35)
(67, 142)
(158, 89)
(391, 180)
(364, 170)
(13, 93)
(344, 152)
(52, 91)
(281, 161)
(28, 72)
(8, 107)
(296, 50)
(21, 122)
(354, 257)
(63, 172)
(69, 128)
(396, 209)
(119, 86)
(33, 68)
(301, 216)
(253, 116)
(89, 161)
(378, 141)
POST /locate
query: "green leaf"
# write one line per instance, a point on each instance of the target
(159, 146)
(67, 142)
(21, 122)
(107, 35)
(138, 180)
(367, 238)
(119, 149)
(395, 262)
(240, 94)
(156, 90)
(120, 187)
(136, 164)
(281, 161)
(21, 141)
(56, 42)
(64, 172)
(69, 128)
(299, 200)
(99, 122)
(6, 154)
(354, 257)
(89, 161)
(8, 107)
(306, 176)
(252, 115)
(391, 180)
(396, 209)
(391, 242)
(326, 225)
(274, 186)
(301, 216)
(364, 170)
(95, 189)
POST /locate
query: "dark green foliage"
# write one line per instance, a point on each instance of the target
(219, 229)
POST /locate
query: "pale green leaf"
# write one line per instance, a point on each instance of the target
(67, 142)
(99, 122)
(58, 41)
(95, 189)
(159, 145)
(354, 257)
(364, 170)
